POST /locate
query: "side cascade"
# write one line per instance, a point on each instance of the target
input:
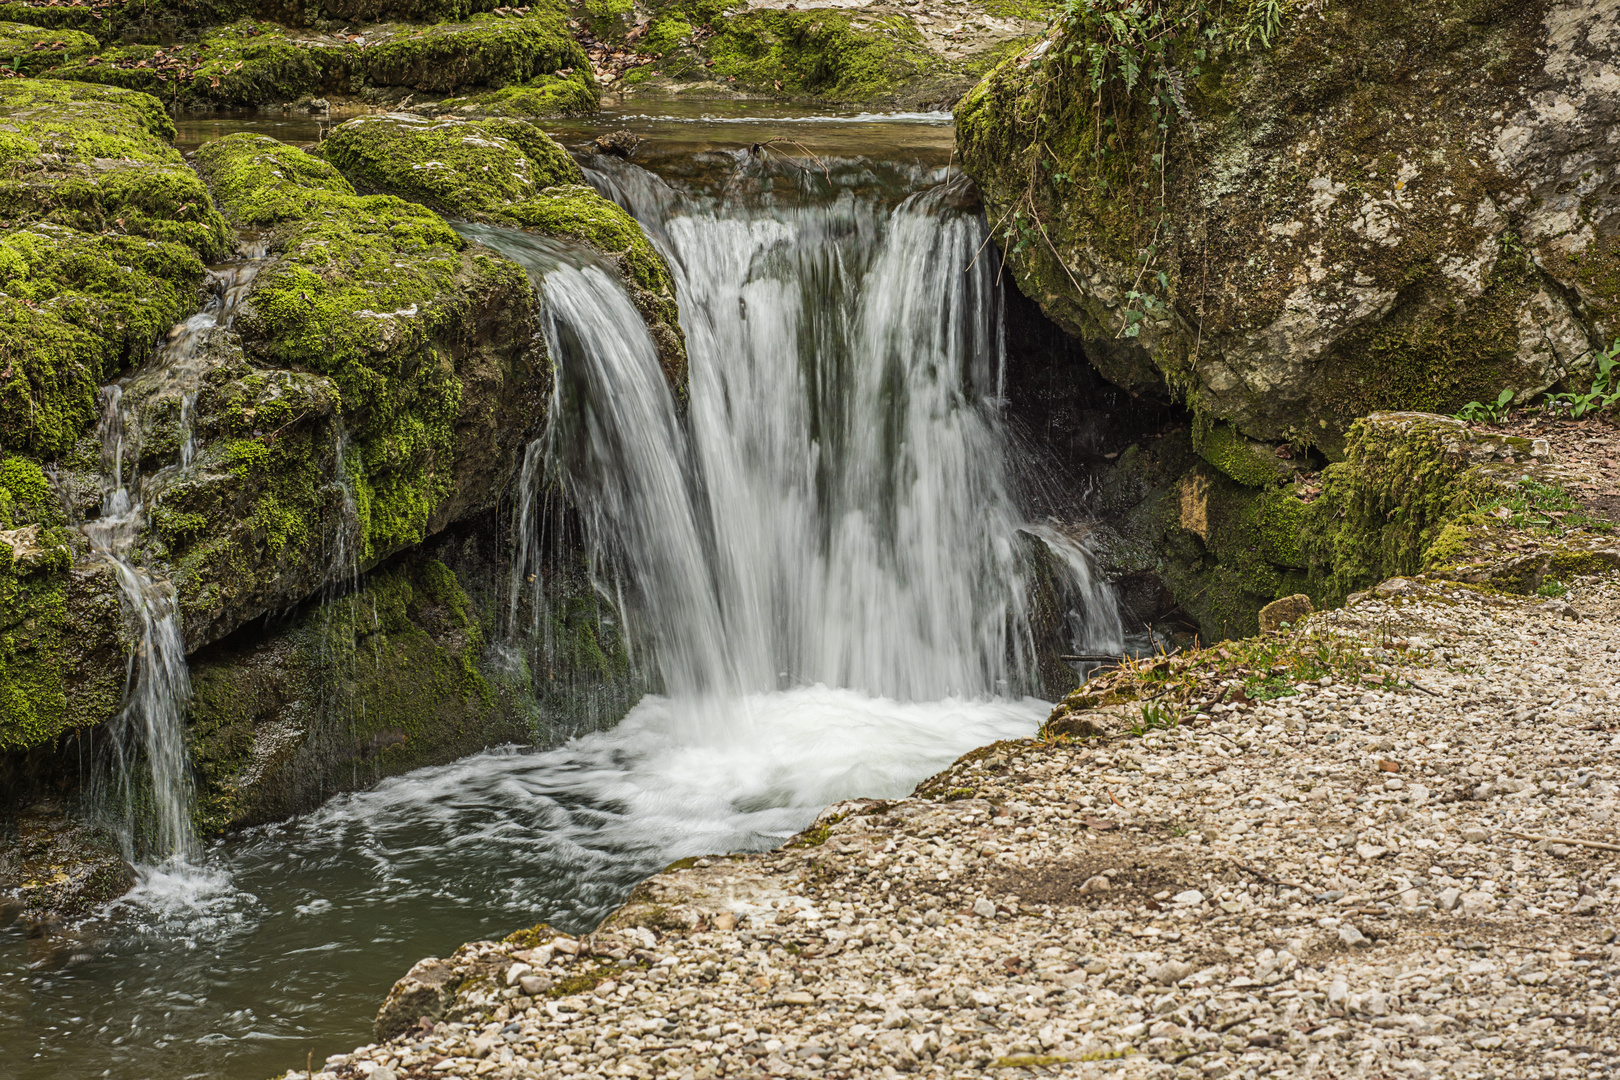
(838, 506)
(147, 786)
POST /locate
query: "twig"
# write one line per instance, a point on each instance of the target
(1564, 840)
(1093, 658)
(1262, 875)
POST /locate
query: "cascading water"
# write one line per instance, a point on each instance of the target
(821, 564)
(839, 510)
(153, 805)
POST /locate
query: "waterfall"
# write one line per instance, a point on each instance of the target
(839, 507)
(153, 804)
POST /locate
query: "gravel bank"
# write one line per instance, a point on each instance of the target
(1320, 884)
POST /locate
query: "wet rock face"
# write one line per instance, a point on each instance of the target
(1410, 206)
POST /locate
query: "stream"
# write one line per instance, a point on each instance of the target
(823, 555)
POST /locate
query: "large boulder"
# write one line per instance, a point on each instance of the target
(509, 172)
(1291, 226)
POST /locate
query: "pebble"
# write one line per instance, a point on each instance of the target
(1265, 901)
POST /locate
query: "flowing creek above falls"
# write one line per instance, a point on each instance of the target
(819, 559)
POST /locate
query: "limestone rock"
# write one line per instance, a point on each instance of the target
(1291, 610)
(1376, 210)
(423, 992)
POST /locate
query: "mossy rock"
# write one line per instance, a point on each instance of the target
(77, 310)
(463, 168)
(430, 342)
(508, 172)
(386, 679)
(574, 94)
(485, 51)
(1315, 238)
(97, 159)
(29, 50)
(242, 64)
(863, 56)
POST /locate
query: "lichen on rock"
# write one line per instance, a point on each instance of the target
(1333, 224)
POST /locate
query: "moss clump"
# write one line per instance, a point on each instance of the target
(508, 172)
(50, 623)
(30, 50)
(463, 168)
(384, 680)
(245, 63)
(366, 289)
(97, 159)
(74, 311)
(574, 94)
(1387, 502)
(579, 213)
(484, 51)
(1247, 462)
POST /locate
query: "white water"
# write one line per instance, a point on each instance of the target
(839, 508)
(153, 803)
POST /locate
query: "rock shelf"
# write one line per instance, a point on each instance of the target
(1326, 882)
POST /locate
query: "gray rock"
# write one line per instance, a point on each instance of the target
(1353, 937)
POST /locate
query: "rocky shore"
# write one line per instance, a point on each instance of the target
(1380, 844)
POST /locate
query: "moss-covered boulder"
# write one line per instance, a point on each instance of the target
(573, 94)
(252, 62)
(1363, 208)
(61, 654)
(508, 172)
(29, 50)
(375, 386)
(388, 678)
(98, 159)
(240, 64)
(463, 168)
(867, 53)
(1419, 493)
(486, 51)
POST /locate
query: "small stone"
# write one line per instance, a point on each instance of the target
(1191, 896)
(984, 909)
(1476, 836)
(534, 985)
(798, 997)
(1353, 937)
(1449, 899)
(1337, 992)
(1290, 609)
(1170, 972)
(1393, 784)
(1095, 884)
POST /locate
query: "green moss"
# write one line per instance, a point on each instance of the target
(826, 53)
(75, 311)
(579, 213)
(484, 51)
(460, 167)
(242, 64)
(376, 683)
(574, 94)
(18, 47)
(96, 159)
(366, 290)
(1384, 506)
(1247, 462)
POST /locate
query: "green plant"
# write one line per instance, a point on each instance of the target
(1605, 390)
(1156, 716)
(1476, 413)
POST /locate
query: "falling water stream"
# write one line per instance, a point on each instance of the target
(820, 564)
